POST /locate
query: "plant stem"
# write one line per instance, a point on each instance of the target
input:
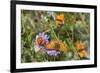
(53, 32)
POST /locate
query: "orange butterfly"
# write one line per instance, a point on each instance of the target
(60, 19)
(56, 45)
(40, 41)
(81, 49)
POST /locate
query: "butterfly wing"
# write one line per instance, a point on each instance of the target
(82, 53)
(50, 45)
(63, 47)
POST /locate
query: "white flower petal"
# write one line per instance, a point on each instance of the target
(36, 48)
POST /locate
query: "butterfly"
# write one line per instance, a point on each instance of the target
(80, 49)
(56, 45)
(59, 19)
(40, 41)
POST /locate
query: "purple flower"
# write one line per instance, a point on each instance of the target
(53, 52)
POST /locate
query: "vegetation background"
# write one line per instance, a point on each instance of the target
(74, 31)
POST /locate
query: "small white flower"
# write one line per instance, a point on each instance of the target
(36, 48)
